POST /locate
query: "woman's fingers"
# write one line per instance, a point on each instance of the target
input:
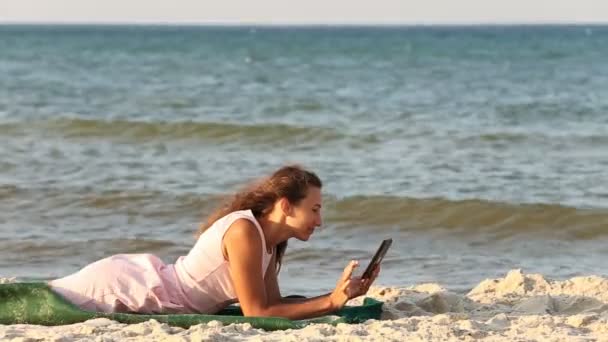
(345, 289)
(345, 286)
(368, 282)
(354, 287)
(357, 287)
(348, 270)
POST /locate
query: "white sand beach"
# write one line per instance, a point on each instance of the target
(518, 307)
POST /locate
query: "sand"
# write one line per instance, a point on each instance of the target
(518, 307)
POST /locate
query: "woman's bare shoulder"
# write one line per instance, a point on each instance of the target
(242, 231)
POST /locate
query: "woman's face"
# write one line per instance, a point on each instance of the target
(306, 215)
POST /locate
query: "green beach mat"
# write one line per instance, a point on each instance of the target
(36, 303)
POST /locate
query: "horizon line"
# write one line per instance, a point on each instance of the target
(299, 24)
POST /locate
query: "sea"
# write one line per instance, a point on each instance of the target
(477, 149)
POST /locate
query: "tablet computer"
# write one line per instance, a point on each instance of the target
(377, 258)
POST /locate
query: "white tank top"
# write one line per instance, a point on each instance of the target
(204, 274)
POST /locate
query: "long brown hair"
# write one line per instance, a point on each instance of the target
(291, 182)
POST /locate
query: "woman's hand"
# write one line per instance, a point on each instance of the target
(350, 287)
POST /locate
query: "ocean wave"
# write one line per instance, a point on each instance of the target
(15, 250)
(369, 213)
(62, 203)
(500, 219)
(147, 131)
(513, 138)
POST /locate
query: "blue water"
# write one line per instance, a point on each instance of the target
(478, 149)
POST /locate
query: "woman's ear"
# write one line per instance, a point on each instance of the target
(286, 207)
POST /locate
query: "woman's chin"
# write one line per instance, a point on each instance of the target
(304, 236)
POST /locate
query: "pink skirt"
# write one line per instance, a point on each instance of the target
(139, 283)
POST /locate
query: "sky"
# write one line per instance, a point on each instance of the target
(305, 11)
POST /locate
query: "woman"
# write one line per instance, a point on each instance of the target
(236, 258)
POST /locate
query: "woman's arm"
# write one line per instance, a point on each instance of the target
(243, 246)
(272, 283)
